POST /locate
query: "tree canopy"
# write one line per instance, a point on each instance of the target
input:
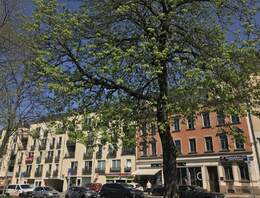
(146, 59)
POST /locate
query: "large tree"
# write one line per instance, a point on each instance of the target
(134, 60)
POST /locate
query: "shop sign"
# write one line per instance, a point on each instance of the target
(233, 158)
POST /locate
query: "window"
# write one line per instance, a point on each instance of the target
(228, 172)
(209, 144)
(153, 145)
(206, 119)
(178, 145)
(244, 174)
(153, 128)
(128, 163)
(116, 163)
(88, 164)
(221, 118)
(239, 144)
(74, 165)
(235, 119)
(224, 141)
(144, 129)
(144, 149)
(176, 124)
(192, 145)
(101, 164)
(191, 123)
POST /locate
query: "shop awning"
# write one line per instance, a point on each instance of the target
(150, 171)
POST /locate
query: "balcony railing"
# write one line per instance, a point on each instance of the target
(98, 155)
(38, 174)
(52, 146)
(55, 173)
(73, 171)
(100, 171)
(48, 174)
(88, 155)
(115, 169)
(29, 160)
(49, 159)
(33, 147)
(20, 160)
(111, 154)
(127, 169)
(27, 174)
(70, 154)
(42, 146)
(17, 174)
(39, 160)
(57, 159)
(86, 171)
(58, 145)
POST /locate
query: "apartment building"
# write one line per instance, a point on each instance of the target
(207, 157)
(53, 159)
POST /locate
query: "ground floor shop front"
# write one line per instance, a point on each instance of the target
(226, 173)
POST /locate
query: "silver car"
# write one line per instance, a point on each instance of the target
(44, 192)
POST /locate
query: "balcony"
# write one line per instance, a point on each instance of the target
(39, 160)
(49, 159)
(55, 173)
(111, 154)
(70, 154)
(52, 146)
(20, 160)
(73, 171)
(17, 174)
(100, 171)
(127, 169)
(22, 147)
(115, 169)
(58, 145)
(57, 159)
(98, 155)
(48, 174)
(88, 155)
(33, 147)
(128, 151)
(42, 146)
(86, 171)
(38, 173)
(27, 174)
(29, 160)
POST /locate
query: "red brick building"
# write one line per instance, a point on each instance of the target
(208, 157)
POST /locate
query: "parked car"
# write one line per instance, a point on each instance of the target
(80, 192)
(94, 186)
(45, 191)
(19, 190)
(120, 190)
(158, 190)
(186, 191)
(137, 186)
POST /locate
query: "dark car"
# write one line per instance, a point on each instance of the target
(120, 190)
(80, 192)
(158, 190)
(186, 191)
(45, 191)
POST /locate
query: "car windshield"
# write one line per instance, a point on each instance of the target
(48, 189)
(84, 189)
(25, 186)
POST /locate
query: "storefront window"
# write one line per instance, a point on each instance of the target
(228, 172)
(244, 174)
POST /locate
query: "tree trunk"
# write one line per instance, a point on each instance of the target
(169, 158)
(168, 146)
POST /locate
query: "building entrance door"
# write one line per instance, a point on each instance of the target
(213, 178)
